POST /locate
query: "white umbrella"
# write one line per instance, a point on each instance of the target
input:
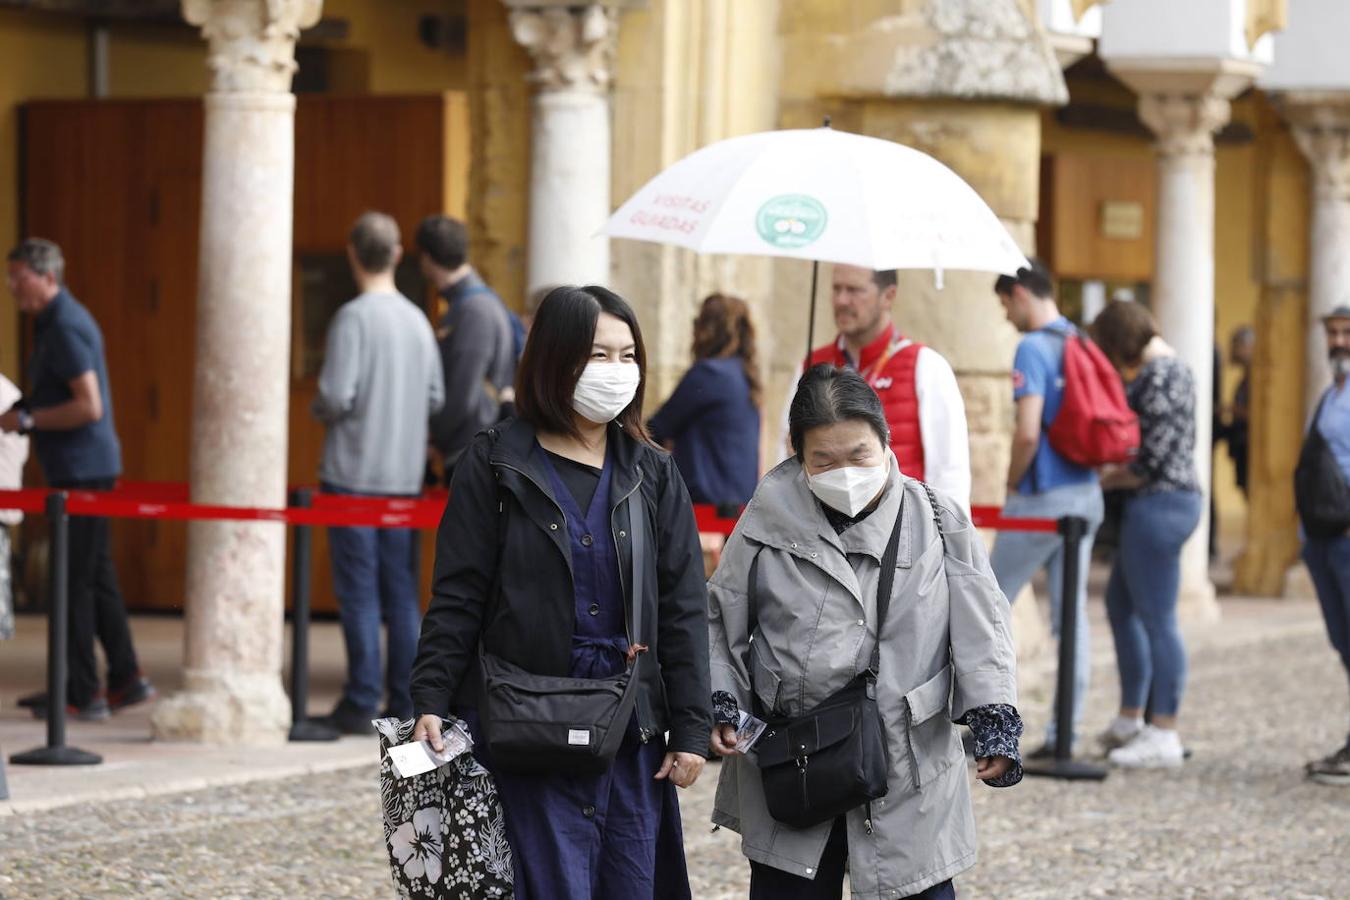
(822, 195)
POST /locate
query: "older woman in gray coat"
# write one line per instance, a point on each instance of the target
(814, 534)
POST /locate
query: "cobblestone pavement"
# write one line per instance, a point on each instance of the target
(1238, 821)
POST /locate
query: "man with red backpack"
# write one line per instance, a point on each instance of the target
(1044, 482)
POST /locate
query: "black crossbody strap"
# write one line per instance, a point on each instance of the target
(886, 580)
(637, 526)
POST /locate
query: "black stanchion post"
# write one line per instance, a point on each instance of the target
(56, 753)
(303, 728)
(1074, 530)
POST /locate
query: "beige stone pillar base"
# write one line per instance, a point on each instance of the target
(1197, 603)
(221, 707)
(1298, 584)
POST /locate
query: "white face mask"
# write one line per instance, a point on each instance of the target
(851, 488)
(605, 389)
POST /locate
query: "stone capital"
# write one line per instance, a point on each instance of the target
(572, 46)
(1184, 124)
(252, 42)
(1321, 124)
(970, 49)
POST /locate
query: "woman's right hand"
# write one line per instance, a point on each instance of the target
(723, 740)
(429, 729)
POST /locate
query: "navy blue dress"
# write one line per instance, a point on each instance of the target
(615, 836)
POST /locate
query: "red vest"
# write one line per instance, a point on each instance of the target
(888, 364)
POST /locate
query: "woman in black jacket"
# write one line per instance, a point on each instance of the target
(533, 559)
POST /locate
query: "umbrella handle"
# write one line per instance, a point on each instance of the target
(811, 322)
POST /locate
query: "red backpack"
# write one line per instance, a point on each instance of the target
(1095, 425)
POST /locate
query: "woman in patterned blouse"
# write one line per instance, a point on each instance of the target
(1161, 511)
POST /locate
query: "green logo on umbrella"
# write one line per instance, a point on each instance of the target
(791, 220)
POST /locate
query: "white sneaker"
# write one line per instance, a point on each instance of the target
(1119, 733)
(1152, 748)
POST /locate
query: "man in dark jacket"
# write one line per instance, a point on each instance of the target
(476, 336)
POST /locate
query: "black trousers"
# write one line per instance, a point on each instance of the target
(96, 607)
(768, 883)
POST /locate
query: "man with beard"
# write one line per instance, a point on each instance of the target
(1322, 491)
(918, 389)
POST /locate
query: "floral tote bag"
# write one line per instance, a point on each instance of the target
(444, 829)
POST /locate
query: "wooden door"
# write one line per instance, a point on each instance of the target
(118, 185)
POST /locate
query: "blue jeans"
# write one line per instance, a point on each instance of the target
(1328, 562)
(374, 581)
(1018, 555)
(1141, 598)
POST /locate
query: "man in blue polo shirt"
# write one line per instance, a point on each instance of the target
(1041, 483)
(68, 412)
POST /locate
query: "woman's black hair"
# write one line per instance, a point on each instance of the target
(828, 394)
(558, 349)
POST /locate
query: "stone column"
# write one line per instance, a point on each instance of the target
(235, 570)
(1183, 285)
(1321, 124)
(573, 47)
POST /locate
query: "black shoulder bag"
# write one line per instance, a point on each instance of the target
(547, 724)
(825, 762)
(1320, 491)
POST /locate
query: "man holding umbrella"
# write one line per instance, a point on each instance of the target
(918, 389)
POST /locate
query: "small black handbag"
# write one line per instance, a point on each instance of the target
(1320, 490)
(547, 724)
(832, 758)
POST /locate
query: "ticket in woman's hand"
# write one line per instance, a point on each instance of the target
(748, 730)
(418, 757)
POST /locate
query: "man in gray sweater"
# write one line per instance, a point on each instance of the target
(381, 379)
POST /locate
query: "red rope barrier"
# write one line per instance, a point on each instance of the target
(337, 509)
(167, 500)
(992, 517)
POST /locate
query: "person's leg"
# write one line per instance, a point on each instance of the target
(1017, 555)
(1171, 519)
(402, 616)
(1128, 635)
(114, 628)
(356, 583)
(1317, 556)
(6, 587)
(1329, 568)
(551, 827)
(1333, 592)
(631, 818)
(768, 883)
(82, 678)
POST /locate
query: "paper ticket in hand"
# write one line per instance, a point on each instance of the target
(418, 757)
(748, 730)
